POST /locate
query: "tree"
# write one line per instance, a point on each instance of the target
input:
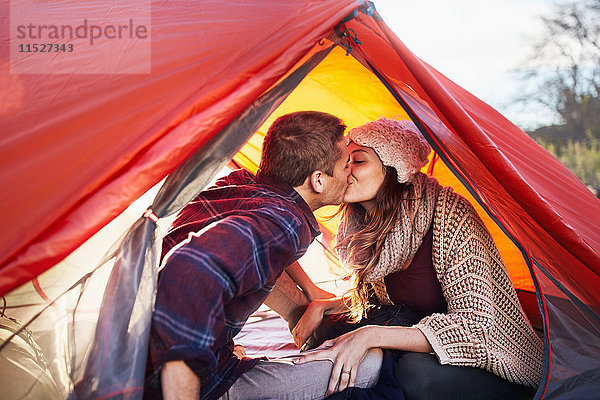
(563, 74)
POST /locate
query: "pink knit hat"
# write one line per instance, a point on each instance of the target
(399, 144)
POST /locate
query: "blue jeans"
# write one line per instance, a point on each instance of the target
(421, 376)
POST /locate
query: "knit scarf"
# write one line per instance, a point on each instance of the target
(405, 238)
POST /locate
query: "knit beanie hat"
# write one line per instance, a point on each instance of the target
(399, 144)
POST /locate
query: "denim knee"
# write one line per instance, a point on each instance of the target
(421, 376)
(415, 379)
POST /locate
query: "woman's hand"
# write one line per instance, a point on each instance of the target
(346, 352)
(310, 320)
(239, 351)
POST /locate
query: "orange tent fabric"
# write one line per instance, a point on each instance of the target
(342, 86)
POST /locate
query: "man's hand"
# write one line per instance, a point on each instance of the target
(179, 382)
(346, 352)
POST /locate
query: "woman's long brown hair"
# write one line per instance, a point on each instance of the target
(364, 234)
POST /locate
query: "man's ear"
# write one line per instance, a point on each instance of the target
(316, 181)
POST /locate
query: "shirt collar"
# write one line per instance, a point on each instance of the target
(285, 189)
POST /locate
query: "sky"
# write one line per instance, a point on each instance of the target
(476, 43)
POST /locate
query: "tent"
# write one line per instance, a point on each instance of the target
(79, 144)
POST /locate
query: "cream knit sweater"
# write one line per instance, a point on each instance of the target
(485, 326)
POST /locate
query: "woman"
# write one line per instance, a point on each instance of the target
(413, 244)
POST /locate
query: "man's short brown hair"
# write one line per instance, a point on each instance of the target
(299, 143)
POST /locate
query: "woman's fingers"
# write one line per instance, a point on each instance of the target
(339, 378)
(345, 365)
(353, 374)
(346, 355)
(327, 344)
(343, 382)
(313, 356)
(334, 379)
(239, 351)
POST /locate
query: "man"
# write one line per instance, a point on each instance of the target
(228, 247)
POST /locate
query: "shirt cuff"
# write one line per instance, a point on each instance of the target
(431, 337)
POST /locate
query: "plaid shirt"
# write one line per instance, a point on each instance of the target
(220, 261)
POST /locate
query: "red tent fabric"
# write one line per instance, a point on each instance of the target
(498, 158)
(76, 149)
